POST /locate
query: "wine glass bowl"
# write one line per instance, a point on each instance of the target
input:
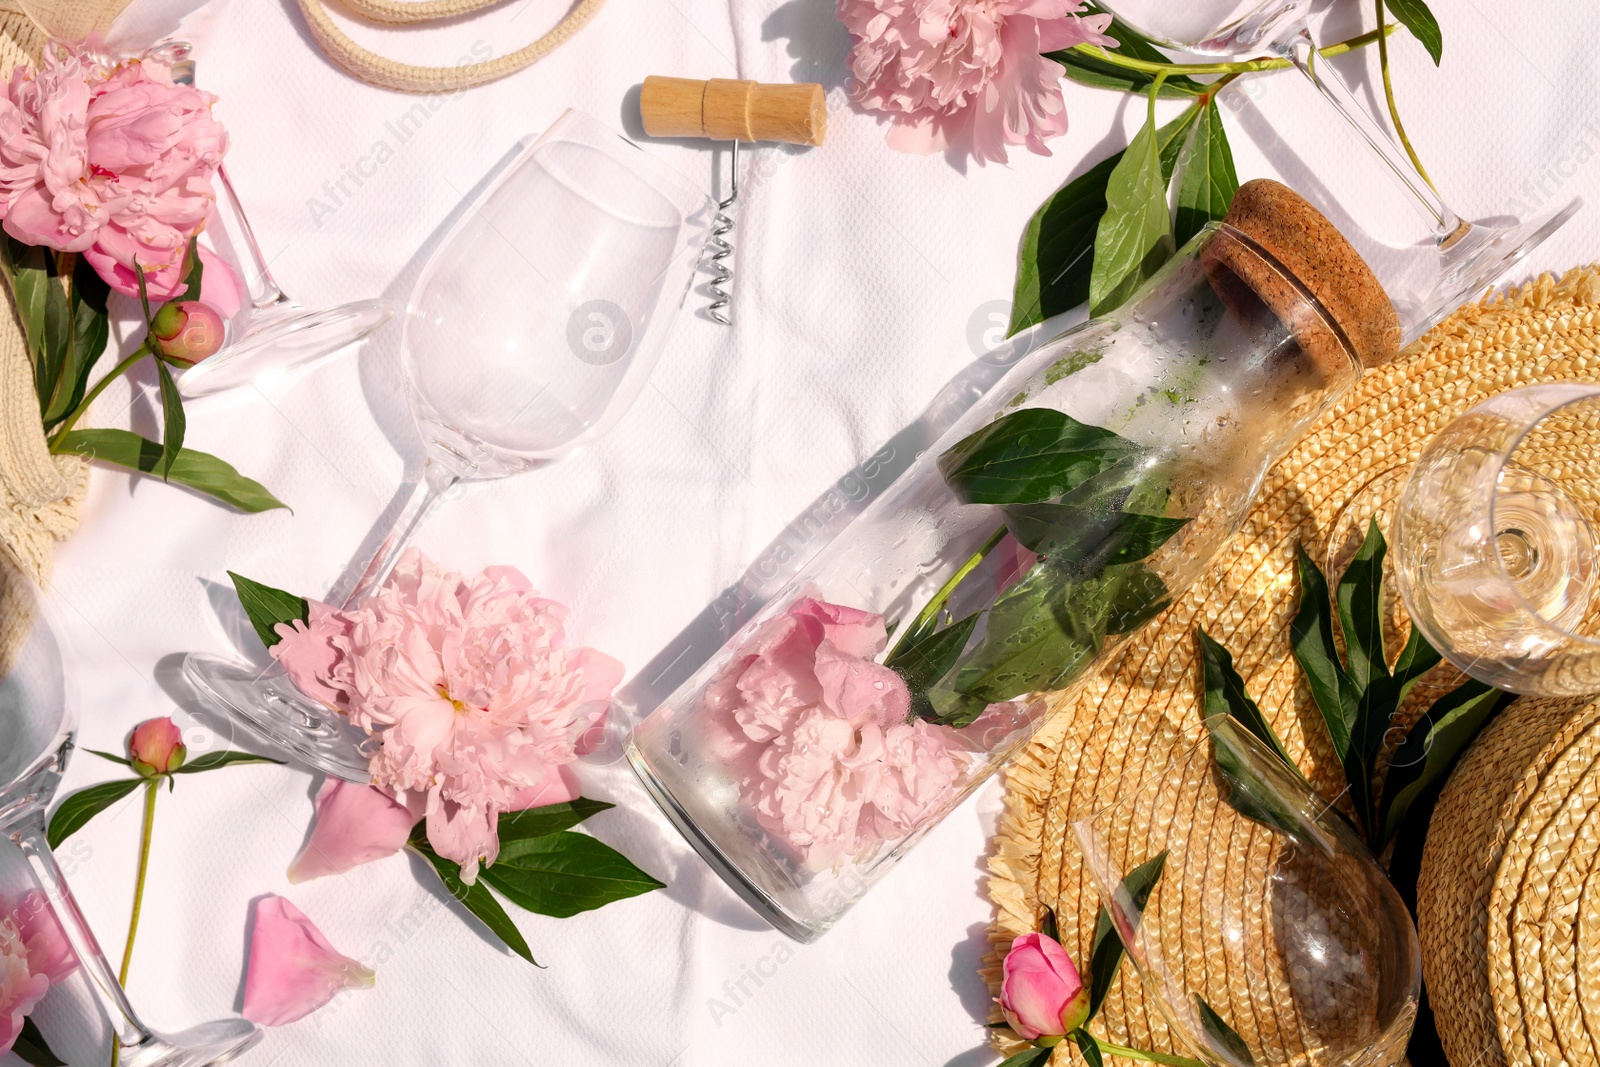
(36, 739)
(1497, 554)
(531, 329)
(1210, 27)
(1270, 936)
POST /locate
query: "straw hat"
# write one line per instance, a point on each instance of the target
(1141, 710)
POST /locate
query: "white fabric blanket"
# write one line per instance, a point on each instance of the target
(866, 280)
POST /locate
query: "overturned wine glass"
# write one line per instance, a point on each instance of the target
(37, 725)
(531, 330)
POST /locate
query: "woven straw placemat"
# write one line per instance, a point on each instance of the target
(1141, 711)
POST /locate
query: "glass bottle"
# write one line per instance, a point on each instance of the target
(927, 643)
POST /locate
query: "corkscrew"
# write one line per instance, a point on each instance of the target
(736, 111)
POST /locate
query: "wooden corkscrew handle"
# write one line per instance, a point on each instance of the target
(726, 110)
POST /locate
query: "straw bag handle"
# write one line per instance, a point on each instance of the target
(386, 73)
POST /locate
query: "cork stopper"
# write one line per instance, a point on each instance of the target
(726, 110)
(1312, 249)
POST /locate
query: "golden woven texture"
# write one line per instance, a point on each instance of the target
(1141, 710)
(386, 73)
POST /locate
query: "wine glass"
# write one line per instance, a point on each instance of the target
(1471, 255)
(530, 330)
(1270, 936)
(36, 739)
(1495, 543)
(274, 332)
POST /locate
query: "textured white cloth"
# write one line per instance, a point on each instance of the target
(862, 278)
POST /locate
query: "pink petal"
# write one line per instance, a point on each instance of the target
(560, 787)
(355, 824)
(293, 970)
(219, 285)
(49, 951)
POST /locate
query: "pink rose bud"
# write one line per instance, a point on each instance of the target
(293, 970)
(187, 331)
(1041, 993)
(156, 747)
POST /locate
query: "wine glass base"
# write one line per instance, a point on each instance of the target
(1473, 262)
(281, 337)
(215, 1042)
(269, 704)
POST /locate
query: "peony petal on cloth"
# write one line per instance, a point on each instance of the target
(293, 970)
(355, 824)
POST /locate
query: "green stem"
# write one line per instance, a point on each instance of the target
(931, 608)
(1148, 1057)
(151, 788)
(1151, 67)
(100, 387)
(1394, 111)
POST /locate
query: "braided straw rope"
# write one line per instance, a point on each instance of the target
(1141, 711)
(386, 73)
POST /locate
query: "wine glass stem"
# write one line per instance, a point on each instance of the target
(129, 1031)
(1448, 226)
(424, 495)
(260, 284)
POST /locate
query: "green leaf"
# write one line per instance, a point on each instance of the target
(1049, 927)
(191, 280)
(199, 471)
(1088, 1046)
(1415, 16)
(1250, 789)
(31, 1047)
(926, 660)
(1206, 178)
(1082, 66)
(109, 756)
(1028, 1057)
(91, 331)
(565, 873)
(1044, 631)
(1030, 456)
(1361, 611)
(1433, 744)
(1311, 634)
(84, 805)
(1056, 260)
(1134, 237)
(1093, 541)
(1105, 956)
(29, 271)
(476, 898)
(174, 423)
(267, 607)
(212, 760)
(1225, 1041)
(1225, 694)
(549, 819)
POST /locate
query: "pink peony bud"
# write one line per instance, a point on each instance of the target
(355, 824)
(156, 747)
(293, 970)
(1041, 993)
(187, 331)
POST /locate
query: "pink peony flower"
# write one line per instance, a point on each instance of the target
(966, 72)
(219, 283)
(822, 738)
(1041, 993)
(355, 824)
(114, 161)
(34, 955)
(469, 684)
(156, 747)
(293, 970)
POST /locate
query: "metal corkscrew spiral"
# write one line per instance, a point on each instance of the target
(719, 248)
(725, 110)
